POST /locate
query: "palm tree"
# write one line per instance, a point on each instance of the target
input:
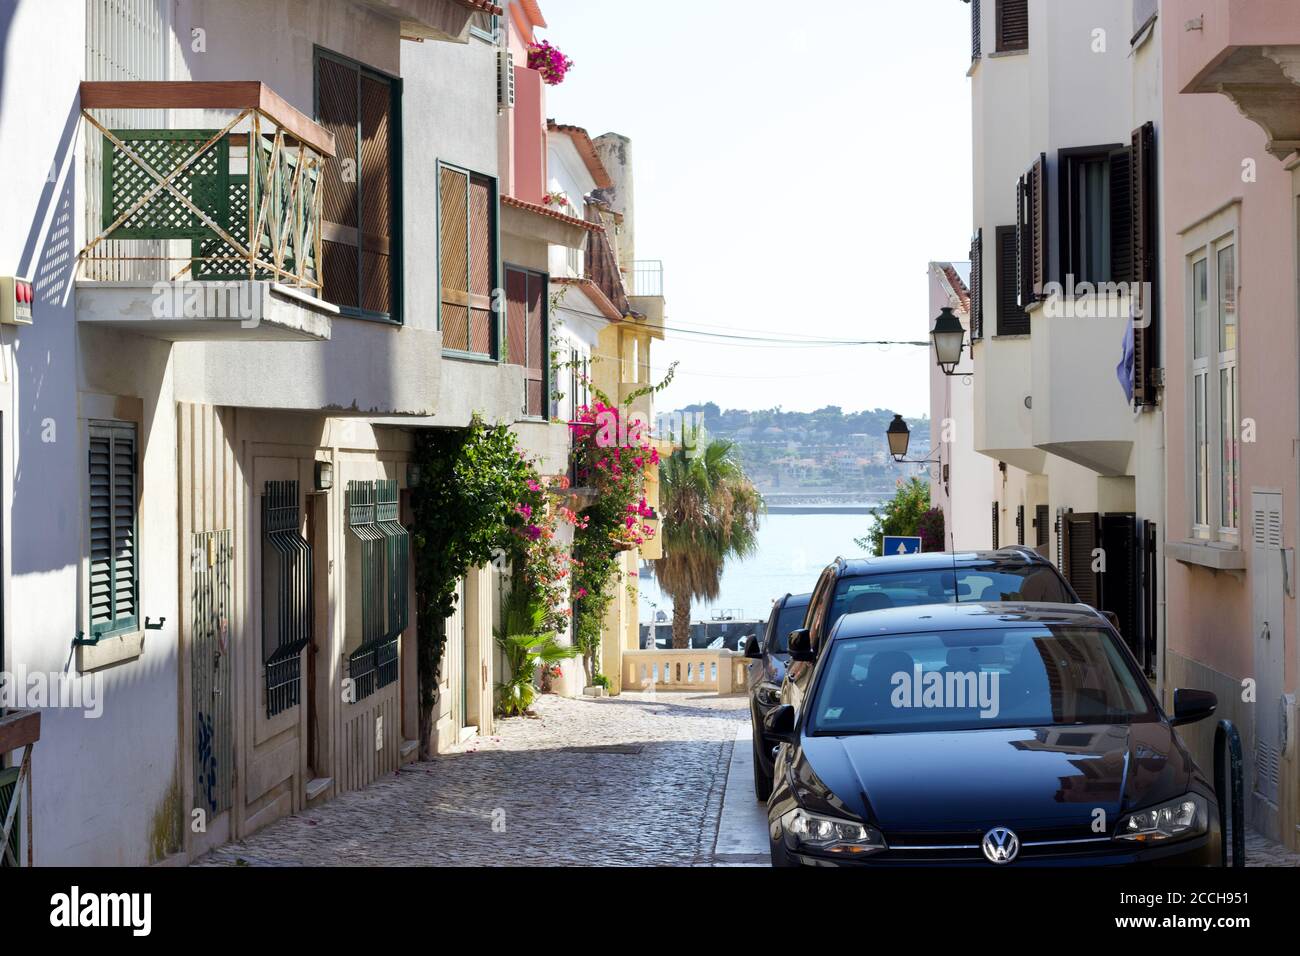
(710, 513)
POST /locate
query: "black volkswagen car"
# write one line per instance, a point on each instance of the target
(984, 734)
(768, 653)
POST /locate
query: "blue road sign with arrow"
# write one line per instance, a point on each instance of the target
(898, 544)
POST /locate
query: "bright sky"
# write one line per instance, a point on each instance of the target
(797, 166)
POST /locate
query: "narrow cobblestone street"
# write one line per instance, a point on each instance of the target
(644, 781)
(638, 780)
(633, 780)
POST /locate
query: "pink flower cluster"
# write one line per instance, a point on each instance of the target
(548, 61)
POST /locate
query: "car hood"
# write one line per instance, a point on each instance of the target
(1033, 777)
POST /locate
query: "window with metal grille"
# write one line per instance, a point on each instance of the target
(378, 574)
(396, 575)
(527, 333)
(361, 217)
(286, 595)
(114, 585)
(1013, 25)
(468, 262)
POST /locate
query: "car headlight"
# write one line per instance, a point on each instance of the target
(1187, 816)
(769, 695)
(822, 834)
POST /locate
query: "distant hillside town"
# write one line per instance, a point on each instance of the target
(828, 452)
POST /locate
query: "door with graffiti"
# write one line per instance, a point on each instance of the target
(210, 663)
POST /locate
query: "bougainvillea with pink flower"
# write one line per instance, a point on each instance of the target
(612, 454)
(546, 59)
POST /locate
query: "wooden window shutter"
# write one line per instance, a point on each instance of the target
(526, 334)
(1041, 531)
(114, 588)
(995, 526)
(1080, 542)
(977, 286)
(1020, 524)
(1013, 24)
(1121, 582)
(1150, 597)
(1012, 319)
(358, 228)
(453, 245)
(1146, 333)
(338, 112)
(467, 261)
(1120, 162)
(1038, 222)
(974, 29)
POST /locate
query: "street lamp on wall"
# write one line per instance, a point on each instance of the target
(949, 340)
(899, 437)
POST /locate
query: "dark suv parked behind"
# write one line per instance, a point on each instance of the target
(769, 655)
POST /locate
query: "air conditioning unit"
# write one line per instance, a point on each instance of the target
(16, 295)
(505, 80)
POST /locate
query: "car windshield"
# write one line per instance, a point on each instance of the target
(1001, 581)
(790, 618)
(975, 680)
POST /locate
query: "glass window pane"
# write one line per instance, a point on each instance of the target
(1200, 305)
(1201, 451)
(1229, 456)
(1227, 299)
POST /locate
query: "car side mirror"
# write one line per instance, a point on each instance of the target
(752, 648)
(1193, 705)
(778, 725)
(800, 644)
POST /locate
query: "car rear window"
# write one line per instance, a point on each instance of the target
(1036, 676)
(963, 585)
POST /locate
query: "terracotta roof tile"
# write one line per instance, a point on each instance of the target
(483, 6)
(594, 293)
(958, 286)
(551, 213)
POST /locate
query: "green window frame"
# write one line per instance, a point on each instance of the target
(373, 509)
(113, 587)
(353, 249)
(469, 264)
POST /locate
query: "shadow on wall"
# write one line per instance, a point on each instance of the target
(46, 488)
(7, 13)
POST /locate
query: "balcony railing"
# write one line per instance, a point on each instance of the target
(237, 201)
(648, 277)
(18, 728)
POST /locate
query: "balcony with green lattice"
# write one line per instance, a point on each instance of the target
(214, 190)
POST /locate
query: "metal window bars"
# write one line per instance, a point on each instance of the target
(286, 595)
(397, 557)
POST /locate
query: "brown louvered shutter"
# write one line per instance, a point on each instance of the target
(467, 260)
(1024, 242)
(975, 29)
(337, 111)
(1013, 24)
(1041, 531)
(453, 245)
(376, 196)
(1146, 333)
(977, 286)
(525, 334)
(995, 526)
(1011, 318)
(1038, 219)
(358, 234)
(1121, 215)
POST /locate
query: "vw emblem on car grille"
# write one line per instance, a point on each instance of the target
(1000, 845)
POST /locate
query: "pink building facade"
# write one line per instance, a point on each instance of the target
(1228, 162)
